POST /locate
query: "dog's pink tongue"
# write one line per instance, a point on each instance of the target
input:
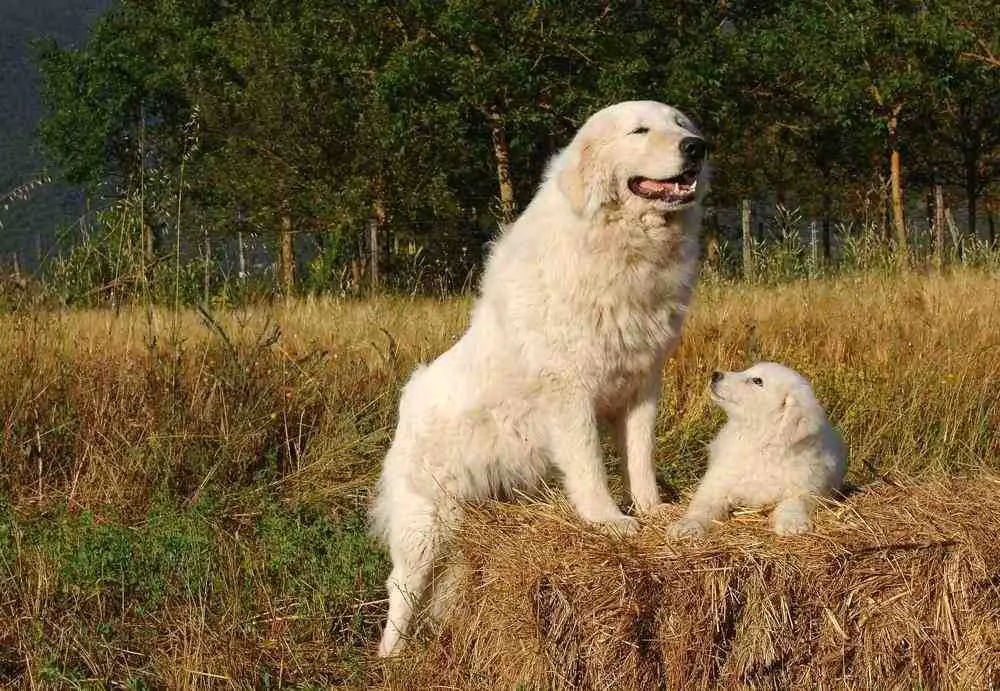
(657, 187)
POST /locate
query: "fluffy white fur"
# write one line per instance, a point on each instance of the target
(777, 448)
(581, 302)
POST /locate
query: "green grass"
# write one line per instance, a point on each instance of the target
(108, 594)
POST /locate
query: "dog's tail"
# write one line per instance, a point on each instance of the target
(390, 489)
(380, 508)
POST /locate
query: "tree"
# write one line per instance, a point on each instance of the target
(274, 119)
(964, 105)
(378, 124)
(116, 112)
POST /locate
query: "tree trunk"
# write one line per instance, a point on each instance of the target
(287, 256)
(898, 220)
(992, 227)
(376, 231)
(747, 236)
(896, 180)
(501, 150)
(938, 225)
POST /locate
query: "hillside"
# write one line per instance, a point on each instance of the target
(20, 109)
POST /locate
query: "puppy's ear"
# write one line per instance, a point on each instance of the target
(798, 418)
(583, 180)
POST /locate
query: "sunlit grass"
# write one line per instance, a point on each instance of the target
(183, 495)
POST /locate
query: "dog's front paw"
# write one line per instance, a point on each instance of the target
(685, 528)
(790, 523)
(619, 526)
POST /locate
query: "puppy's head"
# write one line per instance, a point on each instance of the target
(643, 155)
(770, 397)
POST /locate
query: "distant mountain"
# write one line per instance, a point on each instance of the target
(30, 228)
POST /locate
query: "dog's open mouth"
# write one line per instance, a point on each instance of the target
(675, 190)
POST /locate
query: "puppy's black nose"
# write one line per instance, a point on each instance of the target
(716, 377)
(693, 149)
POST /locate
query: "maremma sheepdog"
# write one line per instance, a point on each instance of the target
(581, 302)
(777, 448)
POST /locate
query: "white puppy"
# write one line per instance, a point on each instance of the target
(776, 449)
(581, 302)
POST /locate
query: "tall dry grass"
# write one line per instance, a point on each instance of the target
(189, 488)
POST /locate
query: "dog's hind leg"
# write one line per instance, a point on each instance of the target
(414, 543)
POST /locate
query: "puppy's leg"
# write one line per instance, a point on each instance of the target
(576, 451)
(413, 545)
(709, 504)
(635, 437)
(792, 516)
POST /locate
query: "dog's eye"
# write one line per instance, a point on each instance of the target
(640, 130)
(758, 381)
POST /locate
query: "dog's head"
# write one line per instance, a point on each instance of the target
(641, 155)
(771, 398)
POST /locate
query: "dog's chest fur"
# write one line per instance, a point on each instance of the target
(630, 317)
(595, 308)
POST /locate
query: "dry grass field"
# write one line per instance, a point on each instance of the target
(182, 495)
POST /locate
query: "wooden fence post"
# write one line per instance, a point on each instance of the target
(242, 259)
(207, 266)
(747, 239)
(813, 247)
(938, 225)
(373, 252)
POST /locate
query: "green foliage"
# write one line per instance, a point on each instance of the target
(313, 556)
(101, 100)
(169, 554)
(177, 558)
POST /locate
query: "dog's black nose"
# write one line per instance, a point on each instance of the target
(693, 149)
(716, 377)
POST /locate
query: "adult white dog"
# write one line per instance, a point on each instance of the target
(777, 448)
(581, 302)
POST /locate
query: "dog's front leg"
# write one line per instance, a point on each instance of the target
(709, 503)
(792, 516)
(576, 452)
(635, 437)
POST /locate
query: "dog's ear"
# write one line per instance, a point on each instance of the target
(799, 419)
(582, 178)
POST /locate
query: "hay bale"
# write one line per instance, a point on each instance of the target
(898, 587)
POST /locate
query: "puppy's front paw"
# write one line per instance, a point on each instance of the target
(619, 526)
(790, 523)
(685, 528)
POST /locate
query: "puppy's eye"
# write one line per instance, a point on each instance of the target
(640, 130)
(757, 381)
